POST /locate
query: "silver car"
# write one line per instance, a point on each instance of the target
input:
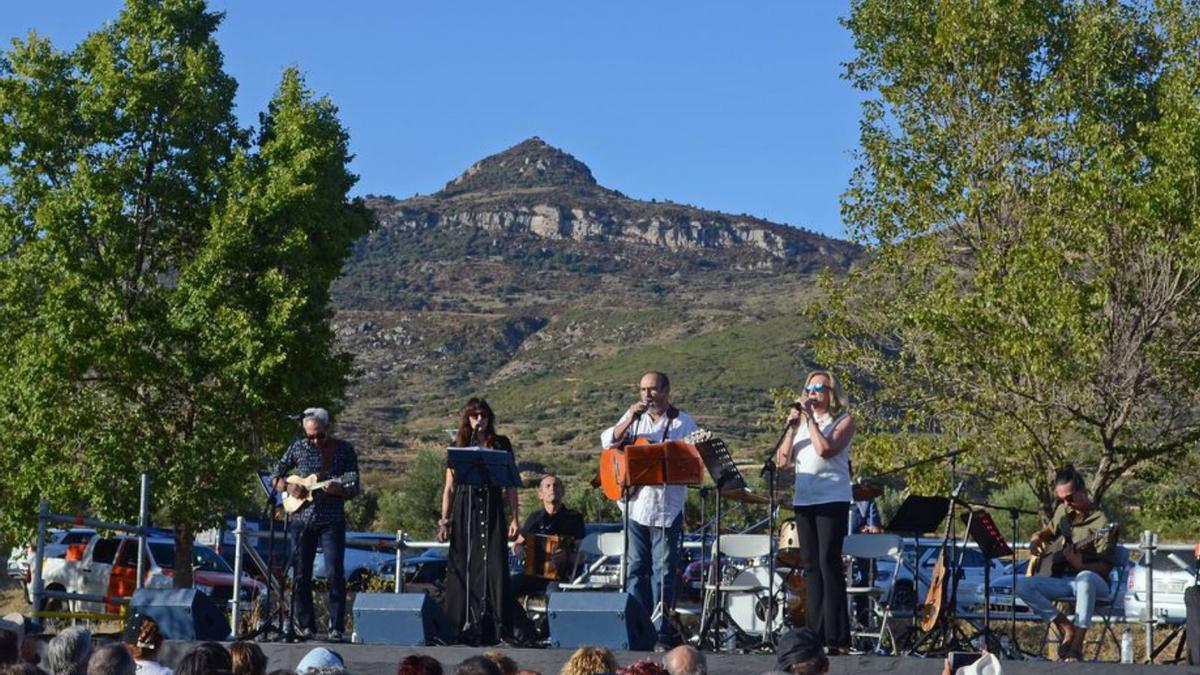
(1174, 571)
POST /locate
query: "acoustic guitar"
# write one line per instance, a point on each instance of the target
(312, 483)
(1050, 560)
(935, 597)
(644, 462)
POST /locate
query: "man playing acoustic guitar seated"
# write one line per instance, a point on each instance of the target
(1079, 571)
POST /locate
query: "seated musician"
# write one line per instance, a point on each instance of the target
(1084, 569)
(552, 519)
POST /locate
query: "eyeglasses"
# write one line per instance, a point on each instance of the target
(319, 436)
(816, 388)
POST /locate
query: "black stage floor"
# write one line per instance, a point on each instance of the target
(379, 660)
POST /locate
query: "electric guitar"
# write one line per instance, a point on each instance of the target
(1050, 560)
(312, 483)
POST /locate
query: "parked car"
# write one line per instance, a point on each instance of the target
(423, 567)
(1001, 598)
(57, 543)
(911, 589)
(1171, 578)
(366, 554)
(108, 566)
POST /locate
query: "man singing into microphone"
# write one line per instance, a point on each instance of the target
(656, 513)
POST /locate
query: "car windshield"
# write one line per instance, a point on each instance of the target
(203, 557)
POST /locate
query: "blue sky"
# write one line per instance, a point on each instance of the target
(738, 107)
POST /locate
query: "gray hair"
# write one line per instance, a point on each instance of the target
(327, 670)
(321, 415)
(68, 652)
(112, 659)
(685, 660)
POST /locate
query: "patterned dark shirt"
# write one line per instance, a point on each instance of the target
(304, 459)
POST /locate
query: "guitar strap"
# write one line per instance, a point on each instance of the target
(327, 460)
(672, 413)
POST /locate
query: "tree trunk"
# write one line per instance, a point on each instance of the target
(183, 556)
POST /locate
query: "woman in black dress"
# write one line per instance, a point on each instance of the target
(477, 516)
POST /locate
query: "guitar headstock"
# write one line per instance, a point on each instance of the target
(699, 436)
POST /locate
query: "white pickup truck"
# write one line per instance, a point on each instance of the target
(108, 566)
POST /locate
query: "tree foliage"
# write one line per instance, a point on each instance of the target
(164, 273)
(1027, 187)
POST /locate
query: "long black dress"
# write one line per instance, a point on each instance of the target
(479, 515)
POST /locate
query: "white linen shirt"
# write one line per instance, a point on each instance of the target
(648, 505)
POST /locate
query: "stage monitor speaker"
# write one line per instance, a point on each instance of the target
(181, 613)
(613, 620)
(408, 619)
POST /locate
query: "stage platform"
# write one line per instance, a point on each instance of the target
(378, 660)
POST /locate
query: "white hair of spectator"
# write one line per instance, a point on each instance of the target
(685, 660)
(68, 652)
(321, 415)
(327, 670)
(112, 659)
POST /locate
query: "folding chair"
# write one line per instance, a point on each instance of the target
(749, 590)
(1109, 609)
(873, 547)
(603, 546)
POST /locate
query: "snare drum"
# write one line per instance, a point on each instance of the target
(789, 545)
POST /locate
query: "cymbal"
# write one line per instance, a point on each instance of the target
(744, 496)
(865, 491)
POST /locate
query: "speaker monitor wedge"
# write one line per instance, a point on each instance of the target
(613, 620)
(409, 619)
(181, 613)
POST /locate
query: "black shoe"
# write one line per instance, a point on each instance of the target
(335, 636)
(661, 647)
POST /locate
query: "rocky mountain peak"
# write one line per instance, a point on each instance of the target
(532, 163)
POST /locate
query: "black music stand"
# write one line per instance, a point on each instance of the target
(487, 468)
(917, 515)
(726, 476)
(986, 534)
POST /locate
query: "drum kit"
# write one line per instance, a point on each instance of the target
(752, 614)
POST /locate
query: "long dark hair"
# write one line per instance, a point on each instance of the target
(487, 435)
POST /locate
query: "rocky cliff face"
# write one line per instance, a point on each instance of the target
(536, 189)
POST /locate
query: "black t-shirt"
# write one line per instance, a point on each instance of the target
(563, 522)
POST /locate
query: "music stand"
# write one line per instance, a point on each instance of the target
(726, 477)
(986, 534)
(917, 515)
(487, 468)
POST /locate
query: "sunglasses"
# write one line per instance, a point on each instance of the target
(816, 388)
(319, 436)
(1067, 498)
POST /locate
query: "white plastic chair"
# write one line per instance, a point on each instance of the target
(874, 547)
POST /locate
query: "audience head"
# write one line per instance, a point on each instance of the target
(589, 661)
(69, 651)
(10, 644)
(248, 658)
(111, 659)
(328, 670)
(19, 668)
(800, 652)
(319, 658)
(477, 665)
(526, 671)
(419, 664)
(143, 637)
(643, 667)
(685, 660)
(506, 665)
(206, 658)
(282, 671)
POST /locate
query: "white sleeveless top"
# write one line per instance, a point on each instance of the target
(820, 480)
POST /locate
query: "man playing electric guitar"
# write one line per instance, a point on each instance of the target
(323, 520)
(1082, 567)
(655, 513)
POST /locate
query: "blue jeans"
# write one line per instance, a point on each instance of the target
(332, 537)
(653, 557)
(1041, 592)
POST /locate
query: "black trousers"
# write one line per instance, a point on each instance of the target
(821, 529)
(332, 538)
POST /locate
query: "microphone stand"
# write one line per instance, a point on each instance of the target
(769, 472)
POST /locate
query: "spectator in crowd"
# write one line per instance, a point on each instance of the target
(111, 659)
(144, 640)
(19, 668)
(419, 664)
(477, 665)
(69, 651)
(506, 665)
(590, 661)
(526, 671)
(801, 652)
(328, 670)
(685, 660)
(11, 636)
(26, 633)
(248, 658)
(206, 658)
(643, 667)
(318, 658)
(282, 671)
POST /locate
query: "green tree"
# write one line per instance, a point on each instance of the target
(417, 505)
(164, 273)
(1027, 189)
